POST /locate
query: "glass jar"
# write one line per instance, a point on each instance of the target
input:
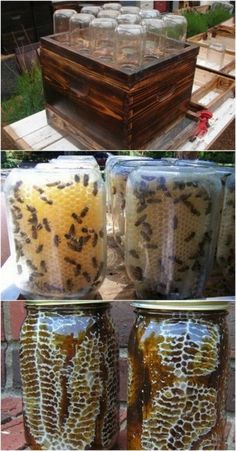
(128, 18)
(57, 231)
(90, 9)
(155, 38)
(172, 217)
(120, 174)
(75, 162)
(176, 31)
(225, 255)
(115, 6)
(215, 54)
(79, 31)
(178, 369)
(61, 19)
(110, 162)
(129, 10)
(149, 14)
(102, 38)
(129, 46)
(108, 13)
(70, 379)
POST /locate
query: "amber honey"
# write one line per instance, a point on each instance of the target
(178, 367)
(70, 378)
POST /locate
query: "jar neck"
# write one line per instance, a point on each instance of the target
(181, 314)
(67, 309)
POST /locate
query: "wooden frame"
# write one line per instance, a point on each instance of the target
(226, 38)
(228, 67)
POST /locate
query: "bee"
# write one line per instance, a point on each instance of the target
(141, 207)
(52, 184)
(17, 228)
(46, 225)
(11, 200)
(136, 272)
(16, 208)
(34, 232)
(69, 284)
(134, 253)
(28, 240)
(113, 190)
(94, 262)
(33, 219)
(95, 239)
(19, 269)
(145, 236)
(77, 218)
(86, 239)
(180, 185)
(86, 276)
(75, 246)
(45, 199)
(70, 260)
(37, 188)
(190, 237)
(20, 200)
(95, 188)
(64, 185)
(175, 222)
(39, 226)
(77, 178)
(77, 270)
(57, 240)
(86, 179)
(39, 249)
(140, 220)
(153, 201)
(17, 185)
(31, 265)
(43, 266)
(101, 233)
(84, 212)
(72, 229)
(182, 198)
(31, 209)
(146, 228)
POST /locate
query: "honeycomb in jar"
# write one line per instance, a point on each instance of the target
(226, 242)
(171, 226)
(58, 231)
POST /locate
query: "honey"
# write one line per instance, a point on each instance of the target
(178, 369)
(172, 217)
(57, 231)
(70, 378)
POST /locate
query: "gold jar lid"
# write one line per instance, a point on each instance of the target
(65, 303)
(189, 305)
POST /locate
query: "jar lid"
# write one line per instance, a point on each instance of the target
(190, 305)
(64, 303)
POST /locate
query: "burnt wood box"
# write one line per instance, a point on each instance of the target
(104, 107)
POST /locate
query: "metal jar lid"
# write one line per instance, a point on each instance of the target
(65, 303)
(190, 305)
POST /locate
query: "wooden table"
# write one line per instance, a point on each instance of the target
(34, 133)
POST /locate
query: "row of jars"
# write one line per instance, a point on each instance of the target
(177, 376)
(122, 38)
(174, 221)
(166, 216)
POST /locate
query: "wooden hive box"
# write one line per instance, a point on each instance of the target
(104, 107)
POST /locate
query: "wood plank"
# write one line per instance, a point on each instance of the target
(222, 118)
(27, 125)
(63, 144)
(41, 138)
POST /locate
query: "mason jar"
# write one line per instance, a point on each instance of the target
(225, 255)
(110, 162)
(70, 378)
(172, 219)
(119, 178)
(177, 377)
(57, 231)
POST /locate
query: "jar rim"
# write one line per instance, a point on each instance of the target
(64, 303)
(190, 305)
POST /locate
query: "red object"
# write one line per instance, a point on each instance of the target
(162, 7)
(203, 124)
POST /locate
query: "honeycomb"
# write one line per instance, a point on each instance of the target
(58, 231)
(118, 180)
(226, 242)
(177, 381)
(171, 229)
(69, 371)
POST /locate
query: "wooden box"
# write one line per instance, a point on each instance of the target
(103, 107)
(211, 90)
(224, 37)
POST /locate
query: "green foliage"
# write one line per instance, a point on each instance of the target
(218, 157)
(29, 97)
(200, 22)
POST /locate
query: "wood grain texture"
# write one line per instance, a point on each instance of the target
(221, 88)
(107, 108)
